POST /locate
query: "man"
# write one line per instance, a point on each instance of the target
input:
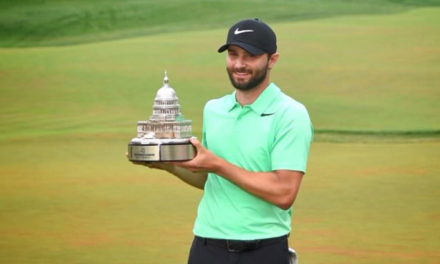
(251, 160)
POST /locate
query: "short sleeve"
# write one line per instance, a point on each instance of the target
(293, 136)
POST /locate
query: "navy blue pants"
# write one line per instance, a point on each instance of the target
(206, 251)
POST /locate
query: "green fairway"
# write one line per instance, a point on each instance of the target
(381, 74)
(368, 73)
(370, 203)
(77, 200)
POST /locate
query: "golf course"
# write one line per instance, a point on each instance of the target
(76, 76)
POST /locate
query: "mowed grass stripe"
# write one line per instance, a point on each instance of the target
(375, 136)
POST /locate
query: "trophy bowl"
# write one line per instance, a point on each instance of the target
(165, 135)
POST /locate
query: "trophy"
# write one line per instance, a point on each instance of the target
(165, 136)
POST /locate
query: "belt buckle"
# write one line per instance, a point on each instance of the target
(240, 246)
(234, 246)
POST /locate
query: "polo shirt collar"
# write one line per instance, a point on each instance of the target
(261, 103)
(232, 102)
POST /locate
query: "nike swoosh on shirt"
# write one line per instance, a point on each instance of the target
(238, 31)
(267, 114)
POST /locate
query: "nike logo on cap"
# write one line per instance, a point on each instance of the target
(238, 31)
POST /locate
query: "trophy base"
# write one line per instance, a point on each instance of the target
(161, 151)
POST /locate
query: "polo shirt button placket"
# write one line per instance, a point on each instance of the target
(244, 110)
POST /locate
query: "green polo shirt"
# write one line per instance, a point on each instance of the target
(273, 133)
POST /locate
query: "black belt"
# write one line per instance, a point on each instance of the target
(241, 245)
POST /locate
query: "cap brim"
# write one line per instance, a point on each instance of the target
(251, 49)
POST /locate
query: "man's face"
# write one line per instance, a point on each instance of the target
(246, 71)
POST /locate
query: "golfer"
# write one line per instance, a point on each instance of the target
(251, 160)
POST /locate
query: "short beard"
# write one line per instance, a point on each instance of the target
(252, 83)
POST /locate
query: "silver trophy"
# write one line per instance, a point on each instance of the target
(165, 136)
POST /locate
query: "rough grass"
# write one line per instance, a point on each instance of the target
(51, 22)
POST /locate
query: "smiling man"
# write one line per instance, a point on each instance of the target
(251, 160)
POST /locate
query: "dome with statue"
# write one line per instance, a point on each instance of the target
(166, 122)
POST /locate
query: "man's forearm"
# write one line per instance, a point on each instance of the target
(279, 187)
(195, 179)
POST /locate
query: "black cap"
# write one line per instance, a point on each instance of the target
(252, 35)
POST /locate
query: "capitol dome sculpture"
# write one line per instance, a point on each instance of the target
(166, 121)
(165, 136)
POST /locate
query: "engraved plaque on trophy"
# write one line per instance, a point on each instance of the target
(165, 136)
